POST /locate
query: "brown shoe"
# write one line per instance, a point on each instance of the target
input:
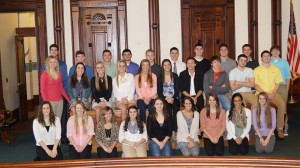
(280, 134)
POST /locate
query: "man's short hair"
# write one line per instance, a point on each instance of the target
(104, 51)
(174, 48)
(79, 52)
(53, 45)
(247, 45)
(275, 47)
(223, 45)
(215, 58)
(126, 50)
(242, 56)
(264, 52)
(198, 45)
(149, 50)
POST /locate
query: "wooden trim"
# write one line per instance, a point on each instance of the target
(58, 24)
(25, 31)
(253, 27)
(276, 22)
(174, 161)
(186, 31)
(154, 28)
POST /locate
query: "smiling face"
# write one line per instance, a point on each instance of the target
(174, 54)
(265, 58)
(216, 64)
(54, 51)
(198, 51)
(150, 56)
(46, 109)
(158, 105)
(247, 51)
(52, 63)
(127, 56)
(132, 114)
(167, 66)
(224, 51)
(188, 104)
(80, 58)
(100, 69)
(237, 102)
(275, 52)
(145, 67)
(107, 57)
(108, 116)
(262, 100)
(242, 62)
(121, 67)
(79, 109)
(190, 64)
(212, 101)
(79, 69)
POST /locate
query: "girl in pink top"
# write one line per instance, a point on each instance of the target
(52, 88)
(80, 130)
(213, 125)
(146, 88)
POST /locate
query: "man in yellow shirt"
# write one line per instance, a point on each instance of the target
(267, 79)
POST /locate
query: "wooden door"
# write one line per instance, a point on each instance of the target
(208, 29)
(22, 92)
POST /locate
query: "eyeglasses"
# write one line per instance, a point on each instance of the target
(235, 101)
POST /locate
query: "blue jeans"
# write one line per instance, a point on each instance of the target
(186, 151)
(143, 106)
(155, 151)
(224, 102)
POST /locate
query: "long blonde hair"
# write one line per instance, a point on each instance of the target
(97, 76)
(117, 72)
(55, 73)
(84, 118)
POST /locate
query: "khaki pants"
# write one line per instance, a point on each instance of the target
(129, 151)
(282, 91)
(249, 97)
(278, 101)
(57, 107)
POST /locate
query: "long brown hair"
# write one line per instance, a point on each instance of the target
(84, 117)
(55, 73)
(163, 70)
(165, 111)
(149, 74)
(40, 116)
(117, 72)
(97, 77)
(84, 78)
(138, 121)
(268, 115)
(207, 106)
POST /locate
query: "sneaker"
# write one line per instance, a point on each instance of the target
(286, 133)
(280, 134)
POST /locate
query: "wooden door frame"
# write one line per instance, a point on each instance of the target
(187, 44)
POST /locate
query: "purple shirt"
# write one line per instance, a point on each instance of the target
(264, 130)
(133, 68)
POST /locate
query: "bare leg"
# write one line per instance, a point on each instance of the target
(98, 112)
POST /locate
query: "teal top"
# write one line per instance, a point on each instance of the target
(284, 69)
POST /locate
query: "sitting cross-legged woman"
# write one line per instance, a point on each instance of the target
(238, 124)
(188, 128)
(47, 133)
(107, 132)
(264, 123)
(213, 125)
(80, 130)
(133, 135)
(159, 130)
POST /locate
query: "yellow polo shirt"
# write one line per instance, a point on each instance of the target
(267, 78)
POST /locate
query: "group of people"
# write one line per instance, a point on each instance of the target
(184, 100)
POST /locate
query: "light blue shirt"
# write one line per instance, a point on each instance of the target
(284, 69)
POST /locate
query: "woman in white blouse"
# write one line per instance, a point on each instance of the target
(238, 124)
(47, 133)
(133, 135)
(123, 88)
(188, 128)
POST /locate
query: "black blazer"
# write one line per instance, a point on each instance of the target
(185, 81)
(160, 88)
(106, 94)
(154, 130)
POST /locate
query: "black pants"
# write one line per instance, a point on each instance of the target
(234, 148)
(102, 154)
(212, 149)
(64, 120)
(42, 155)
(172, 110)
(85, 154)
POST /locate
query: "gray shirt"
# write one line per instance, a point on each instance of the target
(228, 65)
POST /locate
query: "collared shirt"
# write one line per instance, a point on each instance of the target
(192, 86)
(284, 69)
(267, 78)
(110, 70)
(133, 68)
(181, 66)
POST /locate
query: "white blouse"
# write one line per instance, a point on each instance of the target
(126, 87)
(131, 137)
(48, 137)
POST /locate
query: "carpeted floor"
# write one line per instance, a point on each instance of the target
(23, 149)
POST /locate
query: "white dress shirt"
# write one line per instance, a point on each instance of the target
(181, 66)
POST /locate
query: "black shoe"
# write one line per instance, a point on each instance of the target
(65, 141)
